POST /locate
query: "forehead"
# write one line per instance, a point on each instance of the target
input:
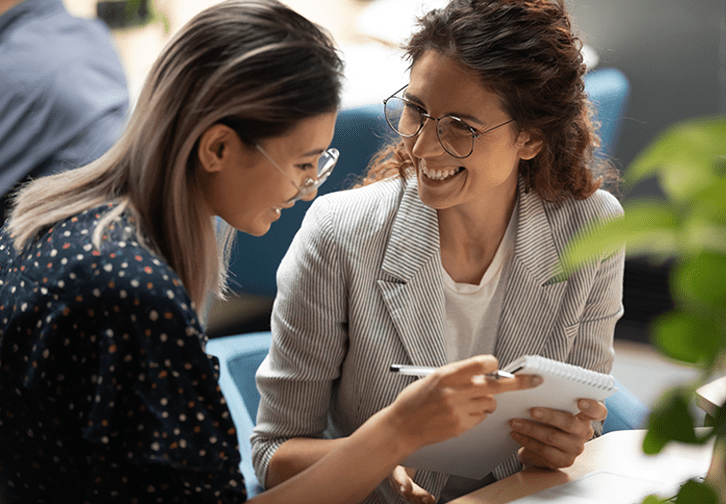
(309, 137)
(445, 87)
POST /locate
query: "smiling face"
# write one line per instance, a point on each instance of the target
(441, 87)
(240, 184)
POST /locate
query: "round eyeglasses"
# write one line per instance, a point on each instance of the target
(326, 163)
(407, 119)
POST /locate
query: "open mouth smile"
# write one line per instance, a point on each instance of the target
(440, 174)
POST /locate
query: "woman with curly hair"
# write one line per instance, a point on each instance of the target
(451, 248)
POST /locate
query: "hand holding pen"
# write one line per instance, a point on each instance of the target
(481, 382)
(451, 399)
(407, 370)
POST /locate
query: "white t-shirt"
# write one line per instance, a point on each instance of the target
(472, 311)
(472, 322)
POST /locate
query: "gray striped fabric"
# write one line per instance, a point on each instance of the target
(360, 288)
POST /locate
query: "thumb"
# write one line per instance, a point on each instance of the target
(402, 480)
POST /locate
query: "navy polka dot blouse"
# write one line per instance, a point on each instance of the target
(106, 393)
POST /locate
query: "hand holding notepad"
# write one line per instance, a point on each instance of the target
(475, 453)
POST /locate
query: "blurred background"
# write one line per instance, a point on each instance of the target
(672, 52)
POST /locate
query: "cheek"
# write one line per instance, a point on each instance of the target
(409, 143)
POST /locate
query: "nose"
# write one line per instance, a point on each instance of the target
(426, 143)
(310, 196)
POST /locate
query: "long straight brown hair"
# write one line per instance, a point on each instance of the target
(255, 62)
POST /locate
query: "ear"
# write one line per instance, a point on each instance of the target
(530, 142)
(214, 146)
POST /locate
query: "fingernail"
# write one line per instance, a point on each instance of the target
(535, 380)
(516, 424)
(537, 414)
(584, 405)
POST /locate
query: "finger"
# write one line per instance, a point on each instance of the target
(519, 382)
(461, 372)
(401, 478)
(548, 436)
(529, 458)
(592, 410)
(548, 456)
(418, 495)
(564, 421)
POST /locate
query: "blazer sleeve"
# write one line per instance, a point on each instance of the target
(593, 345)
(309, 339)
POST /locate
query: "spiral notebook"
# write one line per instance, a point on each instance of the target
(476, 452)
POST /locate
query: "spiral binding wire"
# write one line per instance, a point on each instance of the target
(564, 370)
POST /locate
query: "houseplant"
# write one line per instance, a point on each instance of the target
(688, 227)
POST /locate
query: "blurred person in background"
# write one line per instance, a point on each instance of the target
(63, 93)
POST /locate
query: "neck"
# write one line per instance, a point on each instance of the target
(6, 5)
(469, 237)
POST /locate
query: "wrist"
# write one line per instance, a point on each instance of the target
(397, 432)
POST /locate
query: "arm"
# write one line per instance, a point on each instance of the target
(308, 347)
(442, 405)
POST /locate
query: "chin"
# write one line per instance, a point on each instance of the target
(253, 229)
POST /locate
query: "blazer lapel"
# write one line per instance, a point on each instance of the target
(536, 284)
(414, 295)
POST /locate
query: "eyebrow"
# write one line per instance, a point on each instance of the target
(468, 117)
(314, 152)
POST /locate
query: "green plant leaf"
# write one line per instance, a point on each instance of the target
(652, 499)
(700, 281)
(645, 228)
(696, 492)
(687, 336)
(686, 158)
(670, 420)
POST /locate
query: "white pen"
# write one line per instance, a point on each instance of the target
(425, 370)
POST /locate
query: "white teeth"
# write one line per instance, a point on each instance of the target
(439, 175)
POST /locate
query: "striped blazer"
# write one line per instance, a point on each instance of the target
(361, 288)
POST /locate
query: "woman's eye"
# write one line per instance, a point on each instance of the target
(306, 166)
(462, 126)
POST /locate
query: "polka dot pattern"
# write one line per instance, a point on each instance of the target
(106, 393)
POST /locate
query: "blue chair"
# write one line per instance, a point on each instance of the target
(609, 91)
(239, 357)
(625, 411)
(359, 133)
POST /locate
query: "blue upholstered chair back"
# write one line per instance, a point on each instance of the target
(609, 91)
(359, 133)
(239, 357)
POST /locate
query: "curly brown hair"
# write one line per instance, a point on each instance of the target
(525, 52)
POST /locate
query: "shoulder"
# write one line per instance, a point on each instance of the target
(368, 207)
(122, 271)
(49, 46)
(601, 205)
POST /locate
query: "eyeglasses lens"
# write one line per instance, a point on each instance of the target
(406, 120)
